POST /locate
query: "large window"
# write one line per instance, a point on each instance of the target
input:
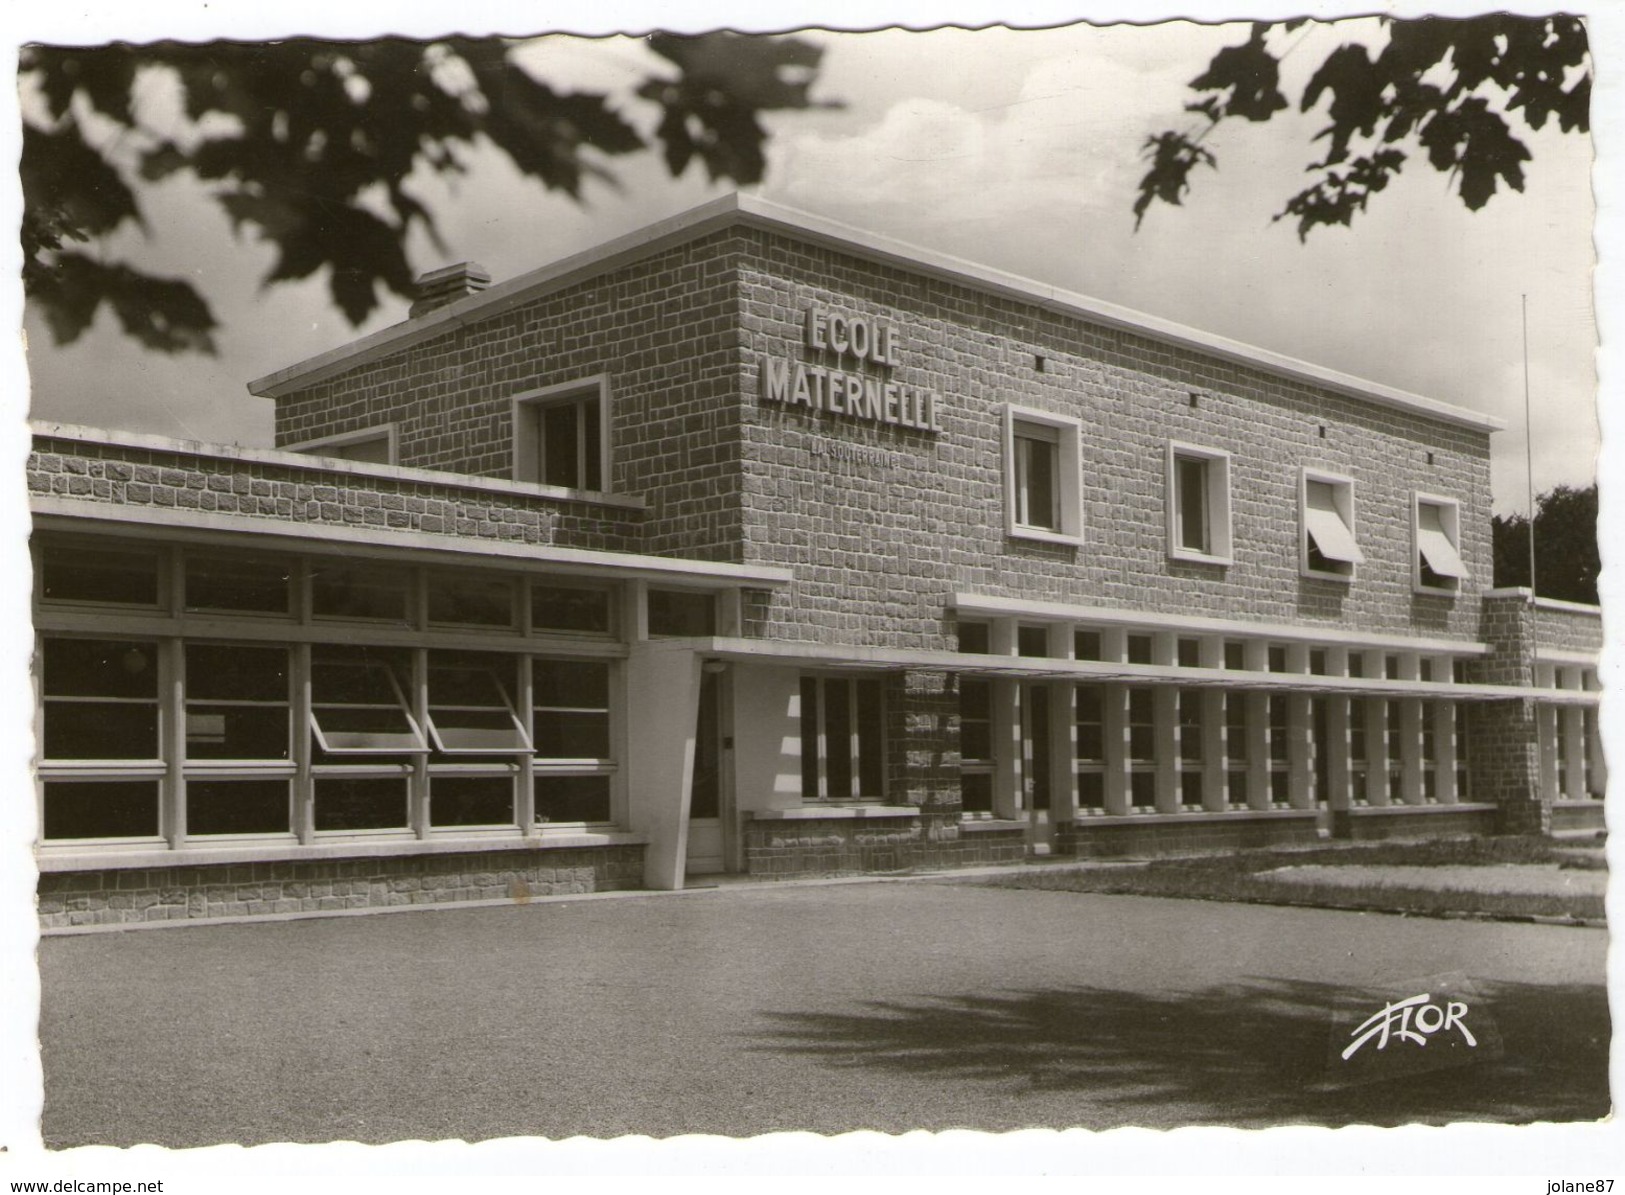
(1089, 714)
(1327, 547)
(1042, 475)
(72, 571)
(571, 731)
(478, 737)
(1198, 489)
(842, 739)
(1437, 532)
(100, 744)
(975, 742)
(559, 435)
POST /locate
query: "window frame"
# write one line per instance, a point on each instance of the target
(1450, 525)
(1217, 513)
(1344, 503)
(1067, 433)
(820, 738)
(389, 433)
(528, 434)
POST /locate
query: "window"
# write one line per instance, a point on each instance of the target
(570, 727)
(684, 613)
(1089, 712)
(471, 711)
(236, 704)
(71, 571)
(1042, 475)
(101, 700)
(372, 445)
(1086, 645)
(1139, 649)
(1438, 564)
(842, 739)
(358, 704)
(975, 638)
(570, 608)
(1032, 641)
(372, 593)
(470, 599)
(975, 744)
(1326, 546)
(238, 584)
(559, 435)
(100, 745)
(1198, 504)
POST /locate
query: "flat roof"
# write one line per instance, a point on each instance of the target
(749, 210)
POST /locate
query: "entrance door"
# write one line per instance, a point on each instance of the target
(1036, 766)
(705, 846)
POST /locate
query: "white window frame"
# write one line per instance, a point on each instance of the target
(1217, 462)
(388, 432)
(1343, 499)
(1068, 475)
(1450, 523)
(527, 426)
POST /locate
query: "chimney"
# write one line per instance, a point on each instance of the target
(439, 287)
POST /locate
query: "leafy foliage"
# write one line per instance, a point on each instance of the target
(1452, 90)
(1567, 559)
(312, 146)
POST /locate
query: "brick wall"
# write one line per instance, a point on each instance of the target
(664, 329)
(1376, 825)
(879, 538)
(805, 847)
(120, 475)
(180, 893)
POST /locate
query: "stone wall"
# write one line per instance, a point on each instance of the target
(191, 893)
(1375, 824)
(1187, 834)
(665, 331)
(805, 847)
(270, 486)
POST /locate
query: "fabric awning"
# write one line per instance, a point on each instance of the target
(1326, 526)
(1434, 544)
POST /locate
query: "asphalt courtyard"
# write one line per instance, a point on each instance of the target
(739, 1011)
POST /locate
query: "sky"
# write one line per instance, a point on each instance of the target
(1019, 149)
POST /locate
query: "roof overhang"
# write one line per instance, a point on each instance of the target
(232, 530)
(1025, 668)
(736, 209)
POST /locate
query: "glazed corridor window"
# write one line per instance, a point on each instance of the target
(682, 612)
(100, 739)
(1199, 504)
(471, 711)
(1439, 567)
(70, 571)
(1041, 475)
(238, 584)
(236, 703)
(975, 743)
(1327, 545)
(559, 436)
(842, 739)
(571, 731)
(358, 704)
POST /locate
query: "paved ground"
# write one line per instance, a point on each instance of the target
(831, 1008)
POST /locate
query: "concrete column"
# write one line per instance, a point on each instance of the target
(1300, 730)
(1114, 729)
(1165, 711)
(1339, 777)
(662, 702)
(1445, 730)
(1063, 733)
(1546, 735)
(1573, 730)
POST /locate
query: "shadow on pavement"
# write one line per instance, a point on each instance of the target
(1250, 1054)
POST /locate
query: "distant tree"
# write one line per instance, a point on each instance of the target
(1457, 91)
(311, 145)
(1567, 559)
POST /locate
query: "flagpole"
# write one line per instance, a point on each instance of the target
(1529, 474)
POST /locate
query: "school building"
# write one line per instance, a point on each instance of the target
(753, 543)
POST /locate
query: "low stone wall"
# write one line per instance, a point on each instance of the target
(1185, 834)
(805, 847)
(187, 893)
(1574, 816)
(1376, 823)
